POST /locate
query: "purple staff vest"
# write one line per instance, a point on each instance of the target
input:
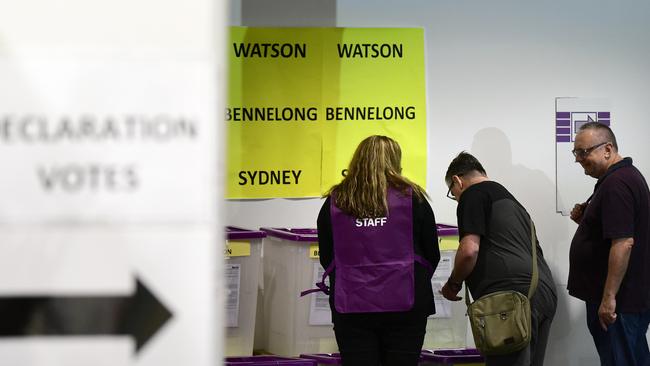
(374, 259)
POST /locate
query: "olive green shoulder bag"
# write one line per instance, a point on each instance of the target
(500, 321)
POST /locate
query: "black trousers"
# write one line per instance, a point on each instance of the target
(380, 339)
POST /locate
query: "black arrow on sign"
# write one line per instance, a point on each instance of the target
(140, 315)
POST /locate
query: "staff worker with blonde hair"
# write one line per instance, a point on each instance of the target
(378, 242)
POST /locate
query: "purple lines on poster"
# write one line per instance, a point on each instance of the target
(567, 124)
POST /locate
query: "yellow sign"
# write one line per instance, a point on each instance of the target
(313, 251)
(448, 242)
(381, 91)
(301, 99)
(237, 248)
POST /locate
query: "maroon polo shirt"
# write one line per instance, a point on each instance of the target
(619, 208)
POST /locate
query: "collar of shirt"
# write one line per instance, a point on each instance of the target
(621, 164)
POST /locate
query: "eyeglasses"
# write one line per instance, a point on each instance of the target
(583, 153)
(449, 194)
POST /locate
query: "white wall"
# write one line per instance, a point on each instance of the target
(493, 72)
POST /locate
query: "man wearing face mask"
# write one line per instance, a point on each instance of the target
(609, 260)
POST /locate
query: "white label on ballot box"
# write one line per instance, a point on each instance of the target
(233, 276)
(319, 310)
(440, 276)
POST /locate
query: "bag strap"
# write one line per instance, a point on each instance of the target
(535, 276)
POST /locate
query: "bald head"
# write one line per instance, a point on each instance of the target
(599, 132)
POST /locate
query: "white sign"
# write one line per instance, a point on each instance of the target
(106, 137)
(110, 149)
(233, 287)
(319, 303)
(118, 296)
(439, 278)
(573, 186)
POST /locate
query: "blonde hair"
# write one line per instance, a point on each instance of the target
(375, 166)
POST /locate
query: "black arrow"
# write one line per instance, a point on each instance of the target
(140, 315)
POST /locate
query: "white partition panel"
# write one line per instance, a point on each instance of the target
(111, 149)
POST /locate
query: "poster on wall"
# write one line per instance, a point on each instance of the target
(301, 100)
(572, 185)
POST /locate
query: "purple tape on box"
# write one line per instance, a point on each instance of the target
(264, 360)
(237, 233)
(296, 234)
(446, 230)
(311, 235)
(324, 358)
(452, 356)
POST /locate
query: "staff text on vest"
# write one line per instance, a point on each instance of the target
(377, 221)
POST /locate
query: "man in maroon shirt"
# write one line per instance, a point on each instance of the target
(610, 252)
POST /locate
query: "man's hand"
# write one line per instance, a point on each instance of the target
(607, 312)
(619, 257)
(450, 291)
(578, 210)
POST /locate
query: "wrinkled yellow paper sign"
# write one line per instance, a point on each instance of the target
(301, 100)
